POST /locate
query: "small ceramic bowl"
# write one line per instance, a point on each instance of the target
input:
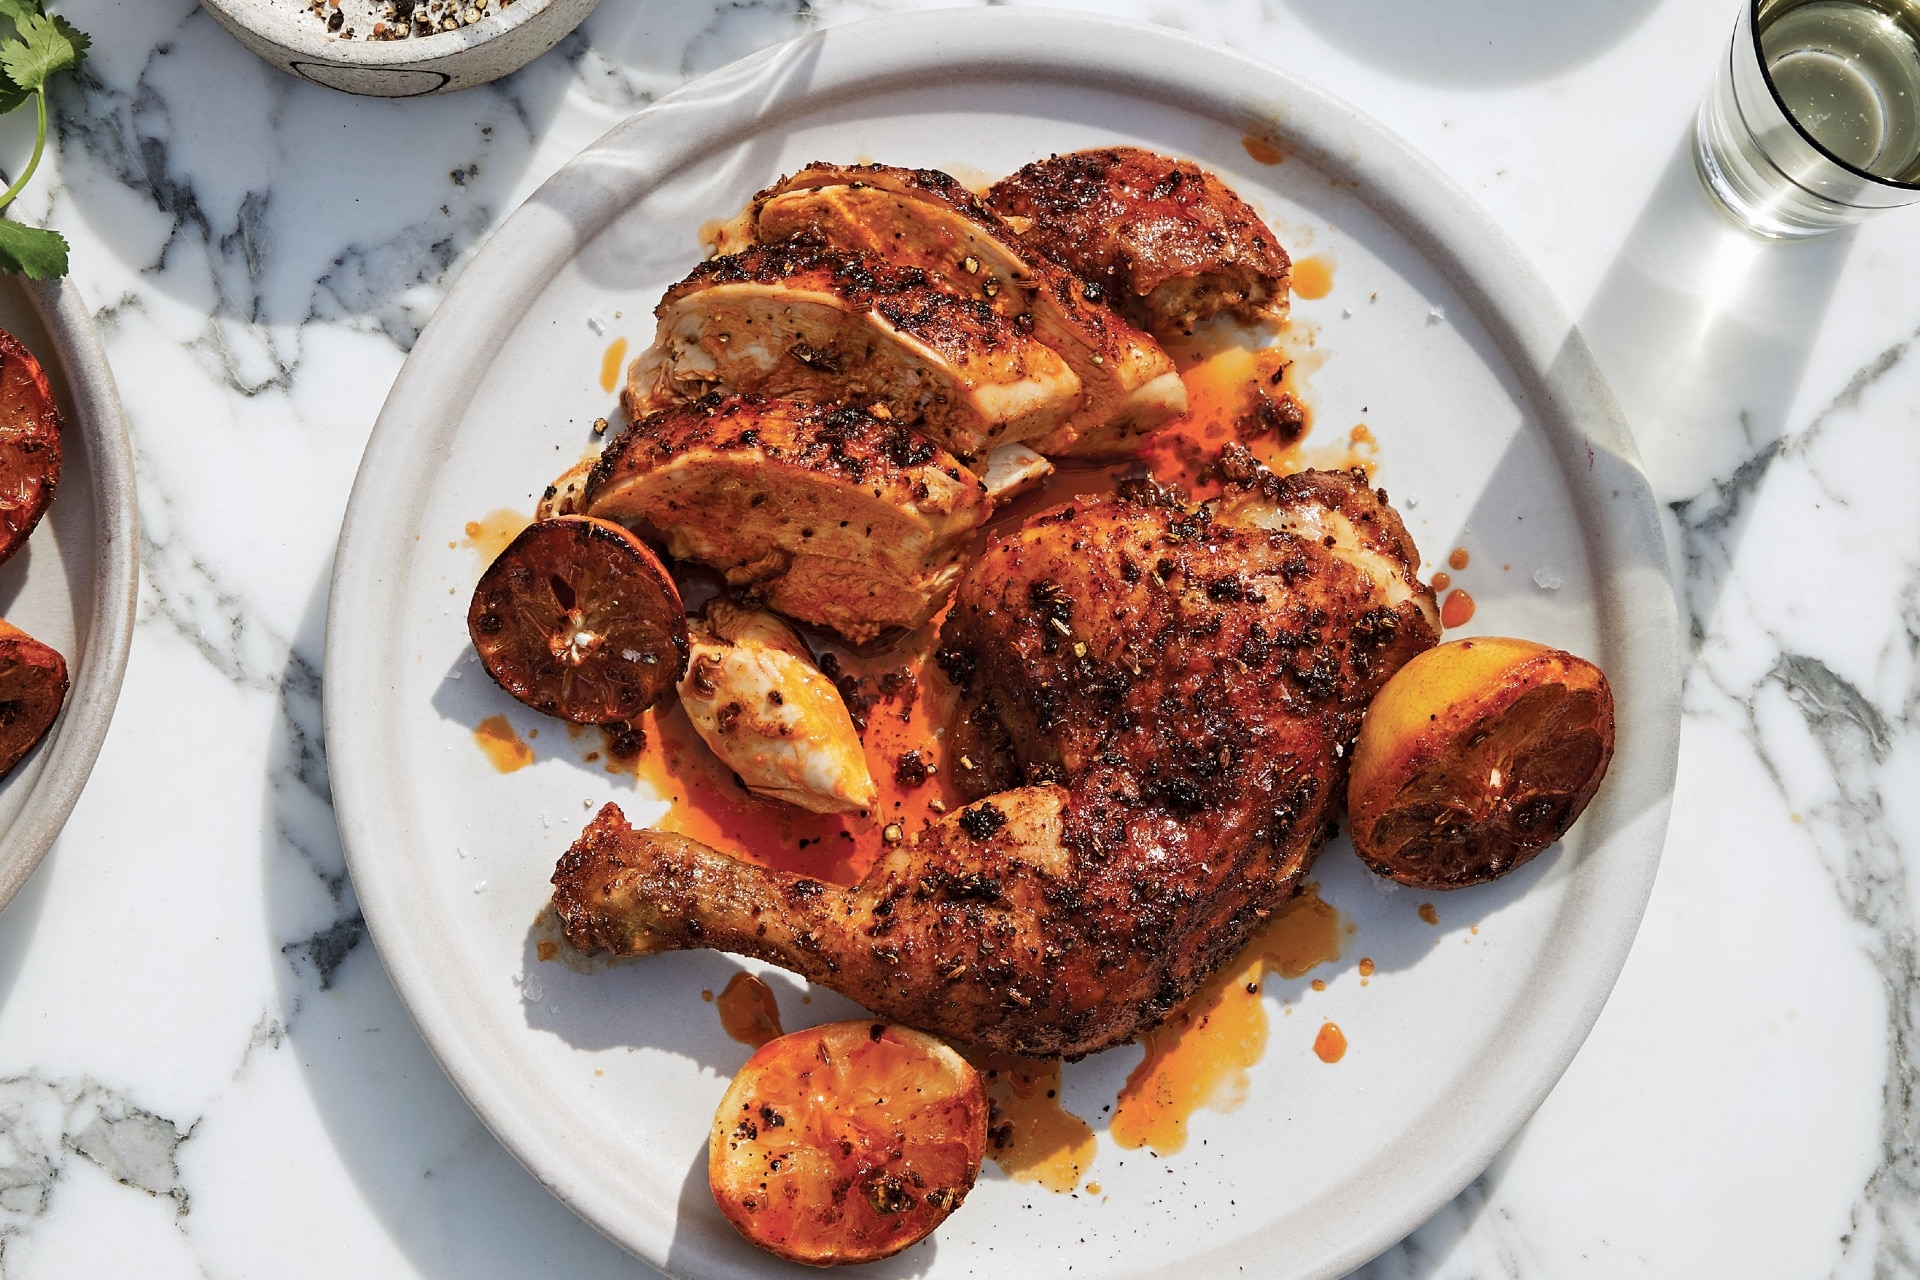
(356, 45)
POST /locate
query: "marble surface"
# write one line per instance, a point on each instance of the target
(204, 1070)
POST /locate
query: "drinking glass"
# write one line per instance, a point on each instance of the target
(1813, 121)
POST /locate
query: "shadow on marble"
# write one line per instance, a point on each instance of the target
(246, 217)
(1704, 331)
(701, 1232)
(17, 921)
(1472, 43)
(705, 35)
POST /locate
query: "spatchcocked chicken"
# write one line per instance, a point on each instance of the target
(1157, 706)
(803, 319)
(825, 513)
(923, 218)
(1163, 240)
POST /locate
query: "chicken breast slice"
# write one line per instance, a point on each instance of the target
(1166, 241)
(808, 321)
(756, 698)
(925, 219)
(829, 514)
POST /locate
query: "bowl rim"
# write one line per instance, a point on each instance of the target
(292, 33)
(99, 426)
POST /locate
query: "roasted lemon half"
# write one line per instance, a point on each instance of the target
(1474, 757)
(577, 618)
(847, 1142)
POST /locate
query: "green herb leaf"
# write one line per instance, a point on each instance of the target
(18, 10)
(45, 46)
(32, 251)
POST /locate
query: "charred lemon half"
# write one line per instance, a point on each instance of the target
(847, 1142)
(1474, 757)
(577, 618)
(33, 684)
(29, 444)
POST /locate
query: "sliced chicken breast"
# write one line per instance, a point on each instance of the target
(1164, 240)
(756, 698)
(924, 218)
(831, 515)
(805, 320)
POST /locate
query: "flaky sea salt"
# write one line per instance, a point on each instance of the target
(532, 990)
(1436, 313)
(1546, 579)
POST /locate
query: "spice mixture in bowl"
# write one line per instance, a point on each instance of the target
(400, 19)
(399, 48)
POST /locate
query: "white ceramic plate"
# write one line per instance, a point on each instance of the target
(1495, 432)
(74, 584)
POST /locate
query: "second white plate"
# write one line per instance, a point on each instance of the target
(1495, 433)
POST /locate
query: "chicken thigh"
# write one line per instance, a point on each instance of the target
(1158, 705)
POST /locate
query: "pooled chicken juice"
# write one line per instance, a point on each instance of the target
(899, 700)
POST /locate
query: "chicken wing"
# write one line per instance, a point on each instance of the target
(829, 514)
(1161, 701)
(805, 320)
(1165, 241)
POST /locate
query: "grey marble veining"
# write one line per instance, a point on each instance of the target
(204, 1070)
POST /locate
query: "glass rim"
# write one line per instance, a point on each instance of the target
(1766, 76)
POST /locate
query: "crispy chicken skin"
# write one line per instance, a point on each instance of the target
(1169, 243)
(1163, 702)
(806, 320)
(826, 513)
(925, 219)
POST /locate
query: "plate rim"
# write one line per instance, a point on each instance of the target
(1440, 220)
(99, 424)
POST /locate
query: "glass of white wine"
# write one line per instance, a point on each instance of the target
(1813, 121)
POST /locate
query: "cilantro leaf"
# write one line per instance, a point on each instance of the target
(44, 46)
(32, 251)
(21, 9)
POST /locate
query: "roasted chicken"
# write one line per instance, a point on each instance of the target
(1165, 241)
(1157, 705)
(923, 218)
(803, 319)
(829, 514)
